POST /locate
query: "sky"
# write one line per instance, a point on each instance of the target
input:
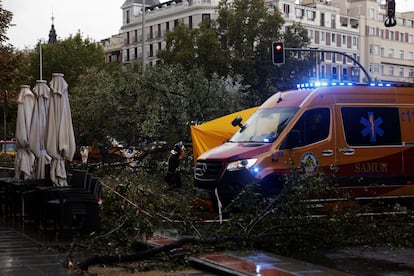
(95, 19)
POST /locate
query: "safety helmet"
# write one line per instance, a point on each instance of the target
(178, 147)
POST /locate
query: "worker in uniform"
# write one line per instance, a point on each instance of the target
(173, 177)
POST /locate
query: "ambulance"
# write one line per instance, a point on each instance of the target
(362, 136)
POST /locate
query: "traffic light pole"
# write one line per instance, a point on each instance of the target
(334, 52)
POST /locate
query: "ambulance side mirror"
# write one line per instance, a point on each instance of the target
(237, 122)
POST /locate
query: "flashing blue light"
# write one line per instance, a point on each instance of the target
(380, 84)
(255, 169)
(334, 83)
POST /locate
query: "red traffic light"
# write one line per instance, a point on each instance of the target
(278, 52)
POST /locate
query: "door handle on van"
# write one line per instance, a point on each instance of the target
(327, 152)
(347, 151)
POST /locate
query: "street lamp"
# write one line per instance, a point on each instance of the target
(143, 34)
(40, 59)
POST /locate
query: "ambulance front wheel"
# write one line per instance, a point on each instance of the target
(271, 185)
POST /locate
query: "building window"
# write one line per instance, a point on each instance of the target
(344, 74)
(311, 15)
(136, 53)
(401, 54)
(136, 36)
(151, 50)
(206, 18)
(392, 35)
(333, 21)
(334, 73)
(410, 38)
(382, 33)
(371, 31)
(401, 73)
(391, 71)
(190, 22)
(128, 17)
(411, 73)
(382, 68)
(128, 38)
(402, 37)
(128, 58)
(286, 9)
(151, 33)
(391, 53)
(322, 23)
(344, 40)
(323, 36)
(159, 30)
(167, 26)
(372, 13)
(299, 13)
(333, 38)
(354, 41)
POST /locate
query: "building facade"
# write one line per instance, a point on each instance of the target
(159, 18)
(353, 27)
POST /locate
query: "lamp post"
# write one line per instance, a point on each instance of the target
(40, 59)
(143, 34)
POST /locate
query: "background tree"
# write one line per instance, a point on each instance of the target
(13, 64)
(237, 46)
(195, 48)
(71, 56)
(93, 104)
(157, 104)
(247, 29)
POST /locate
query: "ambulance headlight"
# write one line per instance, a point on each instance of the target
(241, 164)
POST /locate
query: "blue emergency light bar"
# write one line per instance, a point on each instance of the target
(325, 84)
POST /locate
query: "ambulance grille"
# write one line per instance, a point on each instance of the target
(207, 170)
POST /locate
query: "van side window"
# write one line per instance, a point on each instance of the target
(312, 127)
(371, 126)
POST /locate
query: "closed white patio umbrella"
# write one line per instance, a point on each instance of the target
(60, 137)
(24, 159)
(37, 137)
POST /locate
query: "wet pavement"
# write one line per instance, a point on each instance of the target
(25, 251)
(22, 255)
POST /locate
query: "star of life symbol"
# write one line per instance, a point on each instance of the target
(372, 126)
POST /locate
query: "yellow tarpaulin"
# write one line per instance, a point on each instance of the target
(213, 133)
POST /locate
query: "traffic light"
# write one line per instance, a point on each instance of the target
(278, 52)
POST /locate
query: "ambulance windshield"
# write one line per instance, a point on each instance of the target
(264, 125)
